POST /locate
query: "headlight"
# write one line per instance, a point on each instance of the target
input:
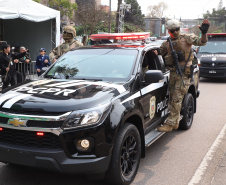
(86, 117)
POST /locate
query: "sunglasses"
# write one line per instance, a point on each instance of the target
(172, 31)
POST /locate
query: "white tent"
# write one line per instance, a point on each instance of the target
(27, 23)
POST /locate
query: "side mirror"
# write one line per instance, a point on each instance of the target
(153, 76)
(44, 70)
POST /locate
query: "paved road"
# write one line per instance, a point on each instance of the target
(177, 158)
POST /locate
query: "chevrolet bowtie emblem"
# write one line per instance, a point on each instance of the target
(17, 122)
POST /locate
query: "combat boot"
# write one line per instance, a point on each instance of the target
(165, 128)
(175, 127)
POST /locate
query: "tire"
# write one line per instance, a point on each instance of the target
(125, 156)
(187, 112)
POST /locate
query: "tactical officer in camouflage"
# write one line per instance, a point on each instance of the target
(70, 43)
(182, 44)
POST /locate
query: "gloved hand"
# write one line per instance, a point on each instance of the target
(205, 26)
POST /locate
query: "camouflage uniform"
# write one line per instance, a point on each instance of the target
(69, 43)
(183, 44)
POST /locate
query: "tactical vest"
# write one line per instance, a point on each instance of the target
(65, 47)
(179, 45)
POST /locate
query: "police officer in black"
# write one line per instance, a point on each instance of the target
(8, 70)
(23, 65)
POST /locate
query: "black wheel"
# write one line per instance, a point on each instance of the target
(187, 112)
(125, 156)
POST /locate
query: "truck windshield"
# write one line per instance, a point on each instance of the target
(214, 47)
(95, 64)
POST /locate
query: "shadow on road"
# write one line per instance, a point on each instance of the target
(14, 175)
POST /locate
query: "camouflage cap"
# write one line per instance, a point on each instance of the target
(70, 29)
(172, 24)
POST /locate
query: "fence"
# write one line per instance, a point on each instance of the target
(29, 71)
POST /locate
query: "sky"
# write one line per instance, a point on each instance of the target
(189, 9)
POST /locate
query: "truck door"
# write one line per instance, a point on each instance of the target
(155, 96)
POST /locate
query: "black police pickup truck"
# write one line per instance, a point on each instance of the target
(212, 56)
(94, 111)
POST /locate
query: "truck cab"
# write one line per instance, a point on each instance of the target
(94, 111)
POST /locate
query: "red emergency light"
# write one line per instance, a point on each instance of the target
(40, 133)
(120, 36)
(216, 34)
(1, 129)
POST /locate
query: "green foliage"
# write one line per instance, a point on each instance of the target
(129, 28)
(91, 17)
(64, 6)
(37, 1)
(135, 15)
(150, 32)
(101, 27)
(218, 31)
(79, 30)
(215, 13)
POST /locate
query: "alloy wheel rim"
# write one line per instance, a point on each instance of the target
(189, 112)
(128, 155)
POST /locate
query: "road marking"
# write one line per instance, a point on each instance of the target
(197, 177)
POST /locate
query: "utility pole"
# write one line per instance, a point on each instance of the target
(122, 10)
(109, 31)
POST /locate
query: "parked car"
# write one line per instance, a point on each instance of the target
(212, 56)
(164, 37)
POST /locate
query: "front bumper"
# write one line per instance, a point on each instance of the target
(210, 72)
(56, 149)
(54, 160)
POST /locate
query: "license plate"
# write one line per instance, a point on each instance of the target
(212, 71)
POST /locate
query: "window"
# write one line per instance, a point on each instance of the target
(153, 62)
(105, 64)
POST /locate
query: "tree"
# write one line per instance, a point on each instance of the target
(37, 1)
(90, 16)
(130, 27)
(64, 6)
(212, 29)
(216, 13)
(220, 5)
(157, 11)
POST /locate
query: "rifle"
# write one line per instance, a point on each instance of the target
(7, 71)
(176, 63)
(10, 60)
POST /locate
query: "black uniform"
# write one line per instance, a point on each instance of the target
(4, 63)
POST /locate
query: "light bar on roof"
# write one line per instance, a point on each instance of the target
(216, 34)
(120, 36)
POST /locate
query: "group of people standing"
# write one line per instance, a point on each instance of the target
(9, 65)
(15, 66)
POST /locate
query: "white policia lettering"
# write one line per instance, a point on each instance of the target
(55, 91)
(161, 105)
